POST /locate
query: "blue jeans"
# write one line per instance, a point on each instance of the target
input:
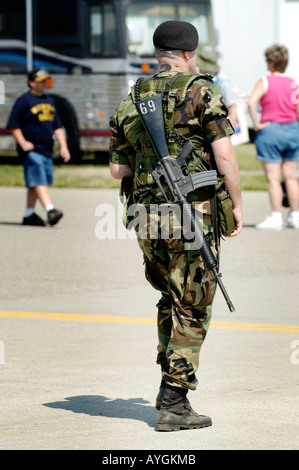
(38, 170)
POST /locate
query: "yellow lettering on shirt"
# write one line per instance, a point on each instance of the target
(45, 111)
(46, 117)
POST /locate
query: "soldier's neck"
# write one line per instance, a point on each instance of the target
(175, 62)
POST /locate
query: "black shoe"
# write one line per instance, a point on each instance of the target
(33, 219)
(54, 216)
(176, 412)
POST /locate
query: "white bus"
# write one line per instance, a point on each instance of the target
(94, 50)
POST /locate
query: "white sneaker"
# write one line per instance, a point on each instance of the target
(271, 223)
(292, 220)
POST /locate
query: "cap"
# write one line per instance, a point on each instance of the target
(207, 61)
(38, 75)
(175, 36)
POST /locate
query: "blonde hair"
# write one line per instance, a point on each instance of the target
(279, 56)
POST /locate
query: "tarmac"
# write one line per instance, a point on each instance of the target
(78, 336)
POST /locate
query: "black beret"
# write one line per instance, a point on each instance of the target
(175, 36)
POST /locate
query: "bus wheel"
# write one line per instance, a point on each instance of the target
(69, 121)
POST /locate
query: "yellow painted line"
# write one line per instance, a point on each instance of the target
(253, 326)
(76, 317)
(142, 321)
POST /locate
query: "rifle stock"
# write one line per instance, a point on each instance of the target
(151, 112)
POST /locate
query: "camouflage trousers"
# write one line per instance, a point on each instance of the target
(185, 307)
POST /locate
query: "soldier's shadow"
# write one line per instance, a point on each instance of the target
(97, 405)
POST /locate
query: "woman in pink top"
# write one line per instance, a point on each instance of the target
(277, 138)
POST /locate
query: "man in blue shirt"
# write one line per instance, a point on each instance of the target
(33, 122)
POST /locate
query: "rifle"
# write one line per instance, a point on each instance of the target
(180, 182)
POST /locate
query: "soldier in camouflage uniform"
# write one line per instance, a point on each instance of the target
(194, 110)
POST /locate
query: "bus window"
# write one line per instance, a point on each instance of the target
(12, 23)
(148, 15)
(96, 33)
(103, 30)
(58, 28)
(198, 15)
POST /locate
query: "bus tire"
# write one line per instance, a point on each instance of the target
(69, 121)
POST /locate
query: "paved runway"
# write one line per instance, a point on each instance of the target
(78, 336)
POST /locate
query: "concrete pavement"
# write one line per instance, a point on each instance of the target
(84, 375)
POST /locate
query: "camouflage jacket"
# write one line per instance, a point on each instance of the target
(196, 112)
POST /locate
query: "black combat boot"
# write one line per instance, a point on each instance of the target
(161, 392)
(160, 395)
(159, 398)
(176, 412)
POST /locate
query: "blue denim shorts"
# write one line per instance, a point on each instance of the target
(38, 169)
(278, 142)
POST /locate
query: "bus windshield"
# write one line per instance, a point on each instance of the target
(142, 18)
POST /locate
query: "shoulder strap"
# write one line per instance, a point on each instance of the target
(169, 85)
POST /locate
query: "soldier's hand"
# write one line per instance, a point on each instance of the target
(238, 216)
